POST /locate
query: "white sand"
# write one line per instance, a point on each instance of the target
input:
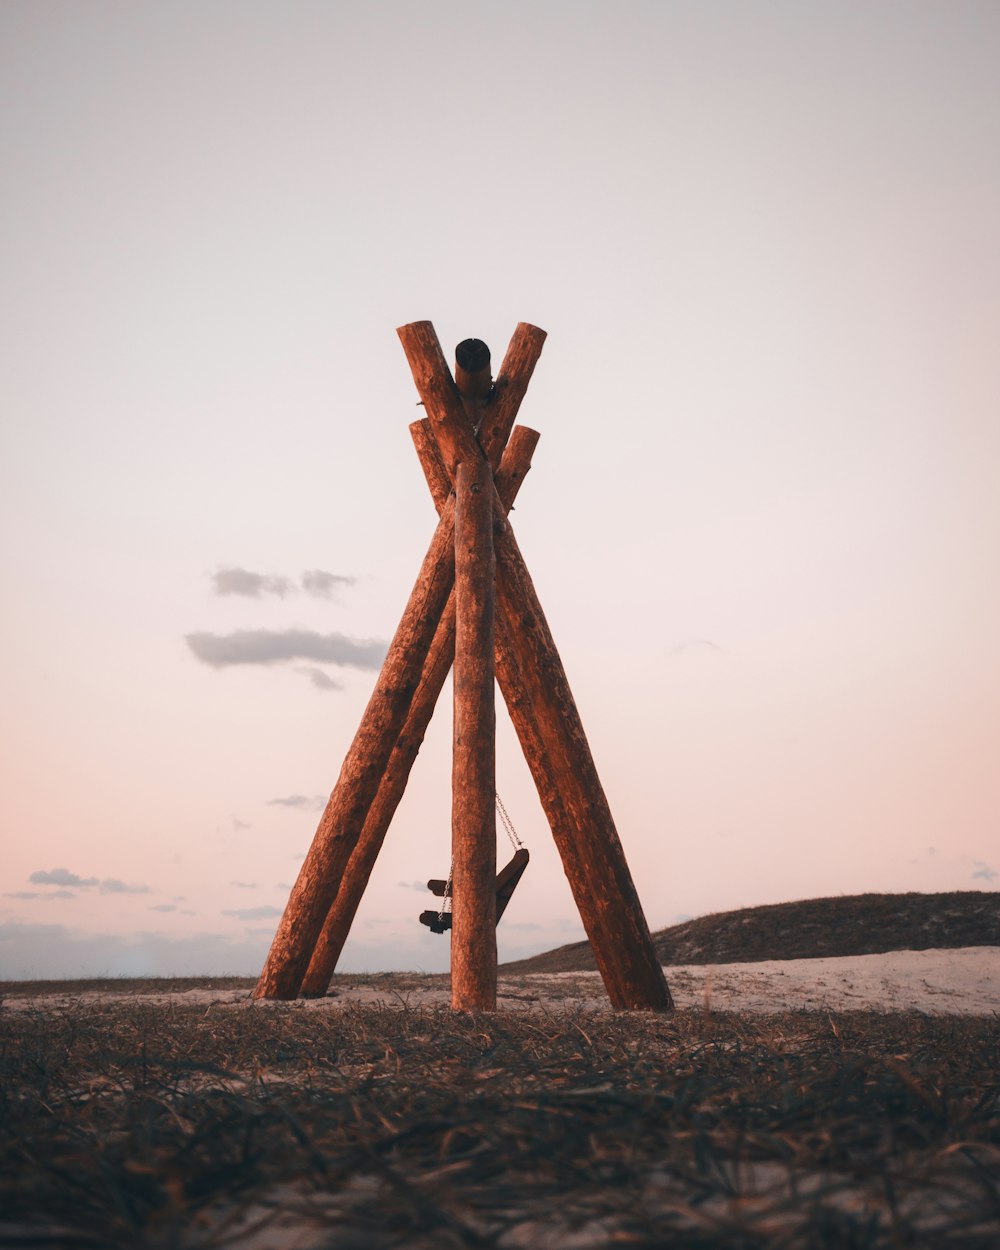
(964, 981)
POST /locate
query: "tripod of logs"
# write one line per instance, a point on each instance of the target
(474, 606)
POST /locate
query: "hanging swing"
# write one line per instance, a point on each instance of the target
(507, 879)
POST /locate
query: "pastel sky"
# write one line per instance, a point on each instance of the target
(764, 513)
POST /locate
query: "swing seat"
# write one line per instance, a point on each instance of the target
(507, 879)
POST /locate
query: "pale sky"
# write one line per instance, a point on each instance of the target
(764, 513)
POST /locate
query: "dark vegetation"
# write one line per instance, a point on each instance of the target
(126, 1124)
(130, 1123)
(858, 924)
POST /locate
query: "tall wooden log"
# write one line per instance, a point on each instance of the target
(340, 827)
(512, 687)
(595, 866)
(366, 761)
(513, 468)
(592, 854)
(473, 826)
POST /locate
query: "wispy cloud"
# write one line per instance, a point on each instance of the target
(63, 877)
(253, 913)
(984, 871)
(694, 644)
(37, 894)
(237, 581)
(244, 885)
(164, 907)
(321, 680)
(59, 876)
(273, 646)
(302, 802)
(323, 585)
(233, 580)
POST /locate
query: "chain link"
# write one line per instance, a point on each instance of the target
(515, 841)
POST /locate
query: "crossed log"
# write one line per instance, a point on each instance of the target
(461, 444)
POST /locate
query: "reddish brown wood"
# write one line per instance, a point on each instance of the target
(441, 397)
(340, 827)
(473, 823)
(362, 771)
(571, 791)
(513, 469)
(572, 794)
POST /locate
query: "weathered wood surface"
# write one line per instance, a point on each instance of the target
(564, 770)
(340, 827)
(433, 377)
(361, 773)
(473, 778)
(513, 469)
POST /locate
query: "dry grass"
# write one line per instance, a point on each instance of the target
(128, 1124)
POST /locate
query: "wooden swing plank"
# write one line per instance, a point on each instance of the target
(506, 883)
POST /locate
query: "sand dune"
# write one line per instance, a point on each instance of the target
(961, 981)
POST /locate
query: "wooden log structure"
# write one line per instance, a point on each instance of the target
(341, 824)
(473, 821)
(581, 820)
(513, 469)
(469, 419)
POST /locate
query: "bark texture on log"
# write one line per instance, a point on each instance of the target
(473, 827)
(556, 750)
(581, 820)
(444, 403)
(362, 771)
(572, 794)
(513, 469)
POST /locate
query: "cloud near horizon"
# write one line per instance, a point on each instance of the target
(321, 680)
(250, 585)
(302, 802)
(253, 913)
(63, 877)
(59, 876)
(274, 646)
(323, 585)
(237, 581)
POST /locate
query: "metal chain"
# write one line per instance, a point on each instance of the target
(508, 825)
(511, 832)
(445, 896)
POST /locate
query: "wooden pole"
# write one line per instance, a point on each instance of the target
(513, 468)
(593, 858)
(539, 727)
(340, 827)
(366, 761)
(473, 821)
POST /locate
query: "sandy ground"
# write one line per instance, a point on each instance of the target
(965, 981)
